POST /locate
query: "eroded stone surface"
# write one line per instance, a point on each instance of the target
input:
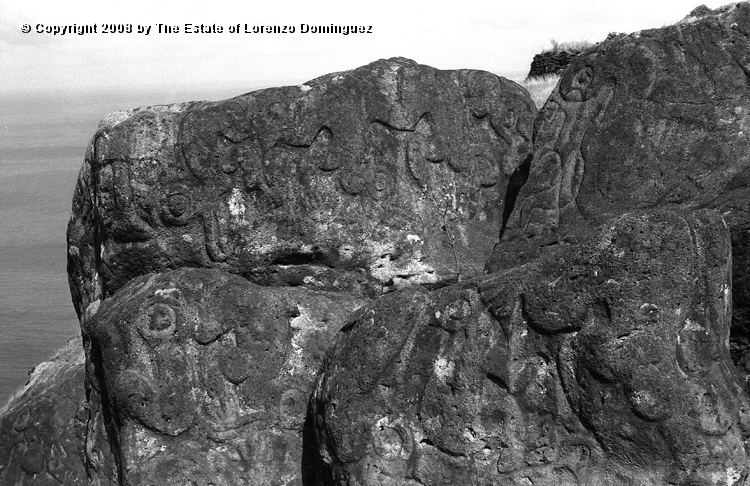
(41, 429)
(197, 376)
(387, 175)
(606, 363)
(657, 118)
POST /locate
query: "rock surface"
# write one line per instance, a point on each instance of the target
(551, 62)
(41, 439)
(387, 175)
(197, 376)
(596, 352)
(605, 363)
(659, 118)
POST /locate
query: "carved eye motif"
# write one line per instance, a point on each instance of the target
(579, 85)
(176, 206)
(583, 78)
(159, 322)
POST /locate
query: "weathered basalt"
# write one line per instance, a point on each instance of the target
(216, 248)
(604, 363)
(551, 62)
(387, 175)
(41, 430)
(659, 118)
(656, 118)
(197, 376)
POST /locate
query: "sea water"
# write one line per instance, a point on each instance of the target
(43, 139)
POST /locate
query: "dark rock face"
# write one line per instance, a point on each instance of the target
(605, 363)
(659, 118)
(202, 377)
(656, 118)
(552, 62)
(41, 431)
(388, 175)
(359, 182)
(597, 350)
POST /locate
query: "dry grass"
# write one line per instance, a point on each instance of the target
(540, 87)
(571, 46)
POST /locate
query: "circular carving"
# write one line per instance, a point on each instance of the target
(578, 90)
(159, 322)
(162, 317)
(352, 183)
(583, 78)
(176, 206)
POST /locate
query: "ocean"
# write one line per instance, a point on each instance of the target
(43, 139)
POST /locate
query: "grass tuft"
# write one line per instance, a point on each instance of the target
(540, 87)
(571, 46)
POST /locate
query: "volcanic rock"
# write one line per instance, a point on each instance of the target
(202, 377)
(551, 62)
(362, 181)
(42, 429)
(658, 118)
(602, 363)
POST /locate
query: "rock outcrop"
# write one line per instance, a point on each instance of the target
(362, 181)
(201, 377)
(551, 62)
(598, 351)
(217, 249)
(41, 430)
(293, 206)
(660, 118)
(603, 363)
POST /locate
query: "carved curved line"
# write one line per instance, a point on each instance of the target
(212, 240)
(423, 116)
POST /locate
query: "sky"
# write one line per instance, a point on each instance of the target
(498, 36)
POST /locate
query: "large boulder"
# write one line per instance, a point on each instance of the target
(326, 194)
(387, 175)
(42, 428)
(658, 118)
(603, 363)
(201, 377)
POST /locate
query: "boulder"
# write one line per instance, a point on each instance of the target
(363, 181)
(658, 118)
(601, 363)
(197, 376)
(42, 428)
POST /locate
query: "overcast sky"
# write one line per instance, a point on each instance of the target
(497, 36)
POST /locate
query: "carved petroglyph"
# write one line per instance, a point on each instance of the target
(200, 360)
(547, 367)
(361, 159)
(559, 165)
